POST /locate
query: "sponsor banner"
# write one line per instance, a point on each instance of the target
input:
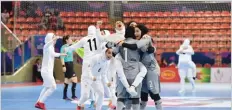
(169, 75)
(203, 75)
(221, 75)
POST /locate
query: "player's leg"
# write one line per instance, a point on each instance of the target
(85, 90)
(194, 68)
(92, 98)
(73, 89)
(66, 82)
(99, 90)
(120, 104)
(190, 78)
(144, 99)
(182, 74)
(49, 87)
(153, 84)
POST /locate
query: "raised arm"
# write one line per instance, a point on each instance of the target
(189, 50)
(77, 45)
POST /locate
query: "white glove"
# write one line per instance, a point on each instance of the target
(131, 91)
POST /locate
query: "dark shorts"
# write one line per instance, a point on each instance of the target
(69, 70)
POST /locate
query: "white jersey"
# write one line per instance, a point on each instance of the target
(98, 66)
(48, 55)
(90, 43)
(185, 55)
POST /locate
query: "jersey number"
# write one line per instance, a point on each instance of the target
(95, 45)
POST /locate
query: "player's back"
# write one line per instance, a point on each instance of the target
(91, 47)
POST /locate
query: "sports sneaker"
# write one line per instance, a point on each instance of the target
(74, 98)
(79, 107)
(40, 105)
(66, 98)
(91, 104)
(181, 91)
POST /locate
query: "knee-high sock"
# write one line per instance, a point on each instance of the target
(120, 105)
(73, 89)
(128, 104)
(65, 90)
(192, 82)
(143, 105)
(84, 97)
(135, 106)
(100, 99)
(158, 105)
(113, 98)
(47, 93)
(42, 93)
(182, 82)
(92, 95)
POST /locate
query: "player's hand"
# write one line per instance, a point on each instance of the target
(63, 54)
(194, 78)
(120, 43)
(94, 78)
(64, 69)
(132, 91)
(99, 23)
(109, 84)
(146, 36)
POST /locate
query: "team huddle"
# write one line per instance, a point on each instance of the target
(121, 65)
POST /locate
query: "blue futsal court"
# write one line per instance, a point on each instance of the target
(207, 97)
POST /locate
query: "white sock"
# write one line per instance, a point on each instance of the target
(143, 105)
(120, 105)
(192, 82)
(182, 82)
(47, 93)
(100, 100)
(42, 93)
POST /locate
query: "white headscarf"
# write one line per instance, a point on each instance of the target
(48, 37)
(91, 31)
(186, 42)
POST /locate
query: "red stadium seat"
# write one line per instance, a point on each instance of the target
(59, 33)
(70, 14)
(33, 32)
(216, 13)
(103, 14)
(21, 19)
(25, 32)
(225, 13)
(150, 14)
(95, 14)
(79, 14)
(42, 32)
(63, 14)
(199, 65)
(174, 14)
(207, 65)
(126, 14)
(87, 14)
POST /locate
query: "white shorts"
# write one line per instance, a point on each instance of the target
(185, 72)
(48, 79)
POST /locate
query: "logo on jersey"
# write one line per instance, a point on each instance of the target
(168, 74)
(99, 69)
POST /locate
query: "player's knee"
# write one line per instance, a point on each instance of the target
(155, 97)
(134, 100)
(144, 96)
(101, 94)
